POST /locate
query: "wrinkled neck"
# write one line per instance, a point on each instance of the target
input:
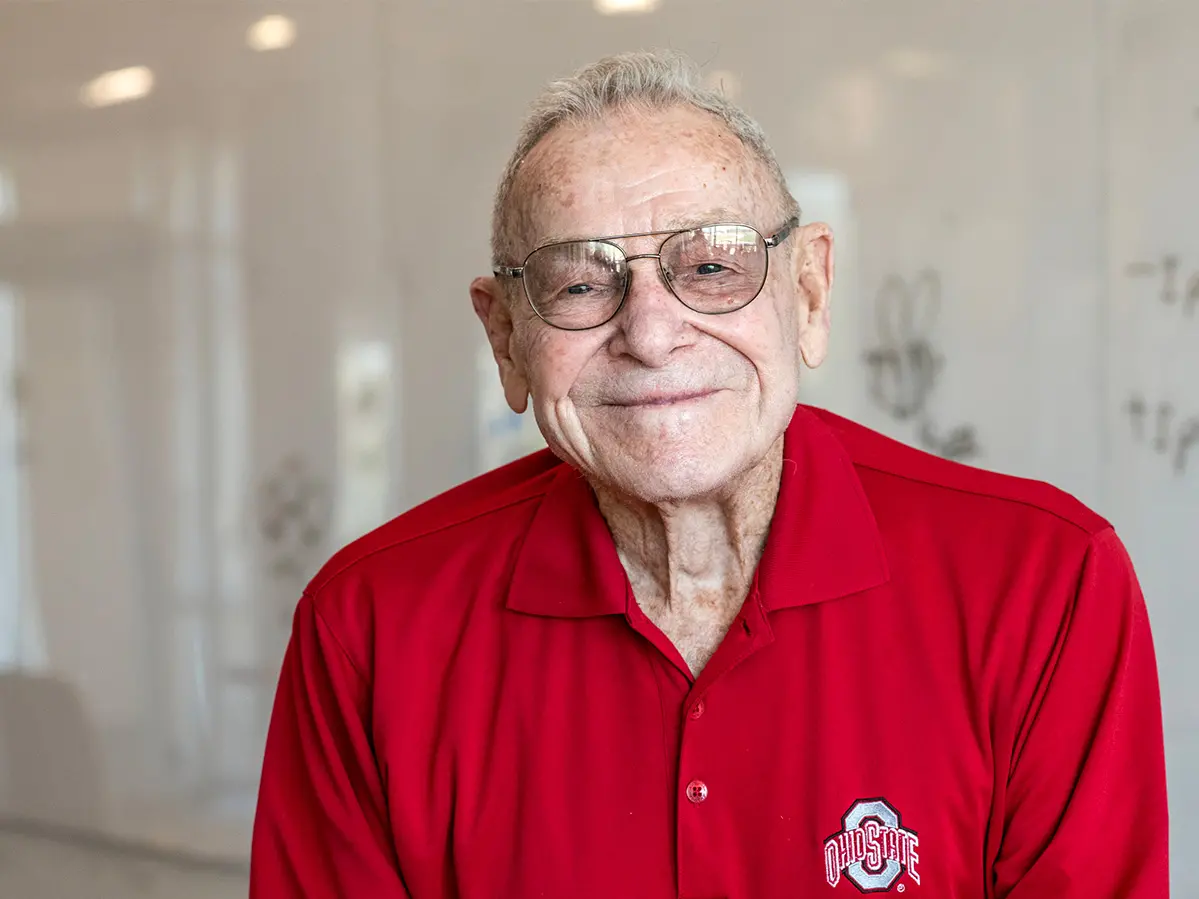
(697, 551)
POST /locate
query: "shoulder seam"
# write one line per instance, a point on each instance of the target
(324, 622)
(1032, 710)
(980, 493)
(314, 588)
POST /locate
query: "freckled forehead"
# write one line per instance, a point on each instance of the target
(641, 172)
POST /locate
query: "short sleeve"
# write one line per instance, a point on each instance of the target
(321, 828)
(1085, 814)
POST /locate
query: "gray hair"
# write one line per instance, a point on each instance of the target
(642, 80)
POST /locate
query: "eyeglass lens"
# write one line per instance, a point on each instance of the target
(581, 284)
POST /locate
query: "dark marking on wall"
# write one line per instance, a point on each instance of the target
(294, 516)
(1159, 427)
(1175, 286)
(906, 366)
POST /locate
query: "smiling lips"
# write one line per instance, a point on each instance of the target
(663, 398)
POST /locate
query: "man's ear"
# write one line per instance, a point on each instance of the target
(486, 295)
(815, 269)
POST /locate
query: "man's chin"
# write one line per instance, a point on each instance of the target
(670, 479)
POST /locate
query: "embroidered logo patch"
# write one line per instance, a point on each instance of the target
(873, 848)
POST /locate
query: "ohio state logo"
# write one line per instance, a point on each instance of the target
(873, 848)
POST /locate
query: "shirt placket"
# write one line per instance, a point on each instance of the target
(705, 776)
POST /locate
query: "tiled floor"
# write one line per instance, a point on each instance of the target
(34, 867)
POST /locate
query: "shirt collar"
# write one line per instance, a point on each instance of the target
(824, 542)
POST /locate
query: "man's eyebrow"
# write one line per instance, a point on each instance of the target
(714, 216)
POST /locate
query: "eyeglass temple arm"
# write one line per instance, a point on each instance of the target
(781, 234)
(508, 271)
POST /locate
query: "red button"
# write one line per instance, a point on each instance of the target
(697, 710)
(697, 791)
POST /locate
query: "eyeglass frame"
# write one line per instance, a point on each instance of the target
(517, 271)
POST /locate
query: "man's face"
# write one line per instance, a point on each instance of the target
(661, 402)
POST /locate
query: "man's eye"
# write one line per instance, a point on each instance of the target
(709, 268)
(577, 289)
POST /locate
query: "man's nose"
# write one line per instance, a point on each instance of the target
(653, 323)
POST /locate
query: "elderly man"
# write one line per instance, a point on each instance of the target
(712, 643)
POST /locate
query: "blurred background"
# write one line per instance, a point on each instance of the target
(235, 244)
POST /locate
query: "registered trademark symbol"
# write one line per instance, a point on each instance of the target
(900, 888)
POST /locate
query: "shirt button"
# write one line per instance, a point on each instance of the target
(697, 791)
(697, 710)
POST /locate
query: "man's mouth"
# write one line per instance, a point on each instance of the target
(664, 398)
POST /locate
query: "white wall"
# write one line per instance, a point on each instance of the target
(246, 335)
(39, 867)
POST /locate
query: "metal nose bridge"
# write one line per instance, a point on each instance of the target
(662, 272)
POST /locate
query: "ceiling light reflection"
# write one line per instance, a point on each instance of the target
(118, 86)
(617, 7)
(271, 33)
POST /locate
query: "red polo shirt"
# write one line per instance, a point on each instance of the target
(941, 683)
